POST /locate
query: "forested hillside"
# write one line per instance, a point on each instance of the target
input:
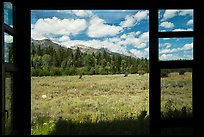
(48, 58)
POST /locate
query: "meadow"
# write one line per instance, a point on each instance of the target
(100, 104)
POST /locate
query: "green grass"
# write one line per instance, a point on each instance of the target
(92, 99)
(97, 104)
(176, 93)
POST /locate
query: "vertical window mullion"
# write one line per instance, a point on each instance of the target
(2, 68)
(154, 92)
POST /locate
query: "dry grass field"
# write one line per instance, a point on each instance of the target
(99, 104)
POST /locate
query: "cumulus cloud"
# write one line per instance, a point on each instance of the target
(167, 25)
(108, 43)
(190, 22)
(141, 15)
(54, 26)
(97, 28)
(169, 50)
(132, 20)
(140, 53)
(186, 47)
(138, 42)
(129, 21)
(64, 38)
(166, 56)
(117, 44)
(131, 34)
(82, 13)
(144, 37)
(168, 14)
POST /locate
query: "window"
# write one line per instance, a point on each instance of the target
(97, 71)
(175, 49)
(176, 79)
(8, 48)
(19, 69)
(8, 13)
(175, 20)
(9, 68)
(176, 93)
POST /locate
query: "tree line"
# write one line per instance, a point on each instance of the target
(50, 61)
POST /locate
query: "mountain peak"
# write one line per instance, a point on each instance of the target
(83, 48)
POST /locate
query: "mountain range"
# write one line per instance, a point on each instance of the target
(83, 48)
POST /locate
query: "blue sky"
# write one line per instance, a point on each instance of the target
(121, 31)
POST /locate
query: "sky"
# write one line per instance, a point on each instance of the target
(121, 31)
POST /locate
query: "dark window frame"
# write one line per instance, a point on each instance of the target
(23, 80)
(7, 66)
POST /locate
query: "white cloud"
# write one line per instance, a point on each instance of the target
(97, 28)
(53, 26)
(37, 35)
(141, 15)
(64, 38)
(131, 39)
(132, 20)
(144, 37)
(169, 14)
(129, 22)
(167, 24)
(187, 46)
(166, 38)
(82, 13)
(140, 53)
(146, 49)
(186, 12)
(166, 56)
(117, 44)
(65, 11)
(131, 34)
(190, 22)
(166, 45)
(32, 26)
(189, 29)
(108, 43)
(170, 50)
(184, 48)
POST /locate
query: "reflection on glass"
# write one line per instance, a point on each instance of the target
(176, 49)
(8, 48)
(176, 93)
(176, 20)
(8, 13)
(9, 103)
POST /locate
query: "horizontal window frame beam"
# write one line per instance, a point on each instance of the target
(176, 64)
(9, 30)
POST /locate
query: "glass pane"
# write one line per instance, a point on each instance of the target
(8, 48)
(8, 13)
(176, 49)
(9, 103)
(176, 20)
(96, 68)
(176, 93)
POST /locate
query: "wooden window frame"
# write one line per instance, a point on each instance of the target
(23, 37)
